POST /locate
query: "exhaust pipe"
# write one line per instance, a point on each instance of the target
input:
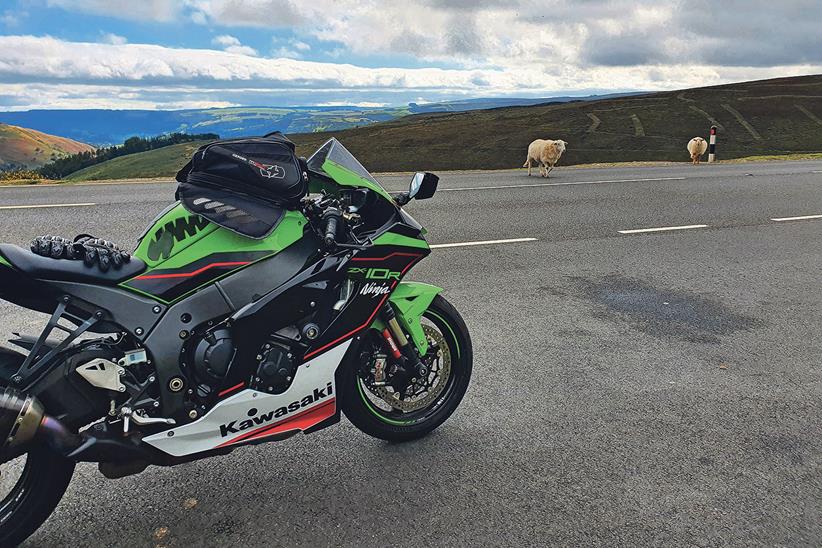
(23, 422)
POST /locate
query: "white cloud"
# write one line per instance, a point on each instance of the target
(49, 72)
(289, 49)
(286, 52)
(226, 41)
(232, 44)
(360, 104)
(252, 13)
(10, 19)
(74, 96)
(199, 18)
(511, 33)
(34, 59)
(111, 38)
(144, 10)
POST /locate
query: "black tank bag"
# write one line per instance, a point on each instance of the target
(244, 185)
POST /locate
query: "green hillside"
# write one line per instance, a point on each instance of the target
(162, 162)
(755, 118)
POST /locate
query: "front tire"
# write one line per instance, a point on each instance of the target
(29, 501)
(358, 401)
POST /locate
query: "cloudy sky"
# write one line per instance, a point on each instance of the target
(171, 54)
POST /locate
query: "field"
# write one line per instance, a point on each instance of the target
(27, 148)
(161, 162)
(763, 118)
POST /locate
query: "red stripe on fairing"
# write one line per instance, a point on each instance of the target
(394, 254)
(352, 332)
(230, 390)
(379, 306)
(190, 274)
(301, 421)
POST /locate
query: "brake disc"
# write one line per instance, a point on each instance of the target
(437, 378)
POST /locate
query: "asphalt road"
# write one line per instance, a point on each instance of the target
(657, 388)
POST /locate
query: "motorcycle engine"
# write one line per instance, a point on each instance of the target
(212, 356)
(276, 368)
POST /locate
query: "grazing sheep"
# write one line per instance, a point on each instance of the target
(545, 153)
(696, 148)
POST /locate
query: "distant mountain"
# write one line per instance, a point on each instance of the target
(27, 148)
(482, 104)
(112, 127)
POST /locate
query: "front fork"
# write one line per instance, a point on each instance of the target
(404, 353)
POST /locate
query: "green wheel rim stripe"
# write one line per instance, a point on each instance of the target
(367, 402)
(377, 413)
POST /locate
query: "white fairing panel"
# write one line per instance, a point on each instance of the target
(250, 415)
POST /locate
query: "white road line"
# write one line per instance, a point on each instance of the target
(660, 229)
(41, 206)
(816, 171)
(485, 242)
(561, 184)
(800, 218)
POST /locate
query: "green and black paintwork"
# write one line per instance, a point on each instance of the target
(184, 252)
(194, 274)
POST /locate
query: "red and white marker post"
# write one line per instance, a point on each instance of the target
(712, 146)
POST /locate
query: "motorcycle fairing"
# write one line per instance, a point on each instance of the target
(185, 252)
(171, 284)
(410, 300)
(362, 309)
(249, 416)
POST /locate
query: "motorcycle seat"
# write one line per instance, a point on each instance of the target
(46, 268)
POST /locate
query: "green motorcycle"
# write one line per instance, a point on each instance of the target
(266, 301)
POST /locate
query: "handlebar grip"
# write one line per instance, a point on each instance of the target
(332, 219)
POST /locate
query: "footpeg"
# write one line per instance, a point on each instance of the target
(130, 415)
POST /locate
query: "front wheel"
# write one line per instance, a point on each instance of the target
(386, 413)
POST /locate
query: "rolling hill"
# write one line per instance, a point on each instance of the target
(161, 162)
(761, 117)
(777, 116)
(26, 148)
(112, 127)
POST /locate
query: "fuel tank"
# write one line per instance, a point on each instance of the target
(186, 252)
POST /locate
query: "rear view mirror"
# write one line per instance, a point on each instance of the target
(423, 186)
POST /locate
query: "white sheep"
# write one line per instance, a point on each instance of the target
(696, 148)
(545, 153)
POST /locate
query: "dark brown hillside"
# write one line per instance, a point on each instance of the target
(762, 117)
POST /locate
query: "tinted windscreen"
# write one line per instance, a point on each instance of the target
(336, 153)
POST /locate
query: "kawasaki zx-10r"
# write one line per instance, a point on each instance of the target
(266, 301)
